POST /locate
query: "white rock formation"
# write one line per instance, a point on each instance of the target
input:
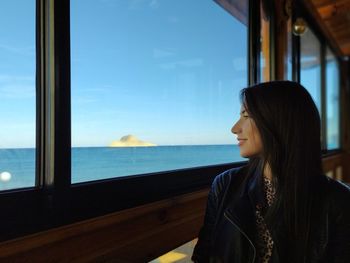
(130, 141)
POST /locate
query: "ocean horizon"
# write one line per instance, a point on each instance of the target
(17, 165)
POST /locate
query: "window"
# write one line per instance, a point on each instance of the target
(332, 97)
(17, 94)
(157, 74)
(192, 72)
(160, 71)
(310, 65)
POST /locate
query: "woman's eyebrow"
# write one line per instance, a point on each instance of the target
(243, 111)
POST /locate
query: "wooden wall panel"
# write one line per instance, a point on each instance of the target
(133, 235)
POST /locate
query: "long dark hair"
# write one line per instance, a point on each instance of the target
(289, 125)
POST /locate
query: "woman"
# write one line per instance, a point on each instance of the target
(279, 207)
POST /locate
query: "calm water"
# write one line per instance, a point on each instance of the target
(103, 162)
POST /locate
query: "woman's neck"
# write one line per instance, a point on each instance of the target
(267, 172)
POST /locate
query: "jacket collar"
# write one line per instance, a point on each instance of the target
(242, 208)
(254, 189)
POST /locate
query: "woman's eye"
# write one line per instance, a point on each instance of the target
(246, 116)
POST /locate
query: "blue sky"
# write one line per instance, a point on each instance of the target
(17, 73)
(167, 73)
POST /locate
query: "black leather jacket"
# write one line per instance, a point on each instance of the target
(229, 225)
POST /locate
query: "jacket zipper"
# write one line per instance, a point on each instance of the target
(244, 234)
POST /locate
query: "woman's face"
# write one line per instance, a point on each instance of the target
(248, 136)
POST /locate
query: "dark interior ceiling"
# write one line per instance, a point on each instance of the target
(334, 17)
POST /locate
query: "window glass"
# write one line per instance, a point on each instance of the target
(155, 84)
(310, 67)
(264, 42)
(17, 93)
(332, 97)
(288, 69)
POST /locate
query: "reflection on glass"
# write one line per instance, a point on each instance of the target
(288, 70)
(157, 74)
(332, 95)
(264, 43)
(310, 67)
(17, 94)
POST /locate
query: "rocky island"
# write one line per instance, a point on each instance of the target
(130, 141)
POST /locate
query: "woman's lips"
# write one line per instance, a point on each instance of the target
(241, 141)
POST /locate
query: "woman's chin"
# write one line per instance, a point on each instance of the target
(245, 154)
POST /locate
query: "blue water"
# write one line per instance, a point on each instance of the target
(93, 163)
(20, 163)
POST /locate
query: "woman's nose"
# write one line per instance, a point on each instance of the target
(235, 128)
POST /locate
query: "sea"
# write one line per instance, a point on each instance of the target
(17, 166)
